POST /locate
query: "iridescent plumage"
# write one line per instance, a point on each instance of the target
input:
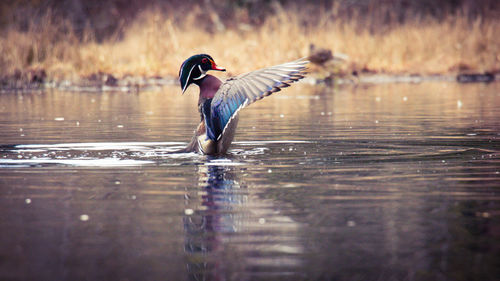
(219, 103)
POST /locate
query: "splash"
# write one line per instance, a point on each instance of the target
(124, 154)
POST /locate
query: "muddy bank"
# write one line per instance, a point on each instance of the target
(414, 78)
(94, 83)
(325, 68)
(107, 82)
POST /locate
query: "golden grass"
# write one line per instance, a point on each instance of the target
(154, 46)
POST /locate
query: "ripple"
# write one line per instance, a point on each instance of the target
(112, 154)
(106, 162)
(253, 143)
(96, 146)
(223, 162)
(103, 154)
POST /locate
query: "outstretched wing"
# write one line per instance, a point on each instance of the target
(240, 91)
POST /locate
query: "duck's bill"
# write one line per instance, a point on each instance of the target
(215, 67)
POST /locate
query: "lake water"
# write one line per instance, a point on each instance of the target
(387, 182)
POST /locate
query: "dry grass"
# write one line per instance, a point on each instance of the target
(154, 46)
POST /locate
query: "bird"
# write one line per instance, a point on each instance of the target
(319, 56)
(220, 102)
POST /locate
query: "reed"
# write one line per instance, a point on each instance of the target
(155, 45)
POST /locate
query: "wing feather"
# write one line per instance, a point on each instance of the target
(242, 90)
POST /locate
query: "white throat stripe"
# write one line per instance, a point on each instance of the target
(203, 73)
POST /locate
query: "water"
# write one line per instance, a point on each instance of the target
(390, 182)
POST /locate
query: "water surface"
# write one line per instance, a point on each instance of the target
(389, 182)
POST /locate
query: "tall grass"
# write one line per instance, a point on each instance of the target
(153, 45)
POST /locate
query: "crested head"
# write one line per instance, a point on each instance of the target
(195, 68)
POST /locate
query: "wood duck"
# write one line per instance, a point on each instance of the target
(219, 102)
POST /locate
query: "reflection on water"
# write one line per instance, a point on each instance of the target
(390, 182)
(224, 212)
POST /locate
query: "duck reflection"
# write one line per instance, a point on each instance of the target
(220, 196)
(234, 233)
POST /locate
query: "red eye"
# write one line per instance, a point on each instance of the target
(204, 60)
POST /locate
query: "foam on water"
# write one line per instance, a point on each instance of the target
(112, 154)
(105, 162)
(120, 154)
(98, 146)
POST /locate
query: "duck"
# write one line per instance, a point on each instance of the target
(220, 102)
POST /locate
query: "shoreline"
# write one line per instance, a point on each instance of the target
(108, 83)
(50, 53)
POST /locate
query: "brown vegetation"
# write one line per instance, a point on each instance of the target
(155, 44)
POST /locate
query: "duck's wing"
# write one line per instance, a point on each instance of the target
(240, 91)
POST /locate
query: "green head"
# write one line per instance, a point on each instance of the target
(195, 68)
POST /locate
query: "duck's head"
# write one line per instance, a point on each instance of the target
(195, 68)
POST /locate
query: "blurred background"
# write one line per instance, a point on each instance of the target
(74, 39)
(393, 181)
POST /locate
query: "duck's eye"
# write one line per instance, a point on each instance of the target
(204, 60)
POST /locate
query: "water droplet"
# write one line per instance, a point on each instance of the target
(77, 123)
(119, 126)
(262, 221)
(188, 212)
(376, 121)
(117, 182)
(84, 217)
(322, 113)
(351, 223)
(133, 197)
(59, 119)
(269, 171)
(19, 156)
(405, 98)
(20, 129)
(378, 99)
(282, 115)
(27, 201)
(459, 103)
